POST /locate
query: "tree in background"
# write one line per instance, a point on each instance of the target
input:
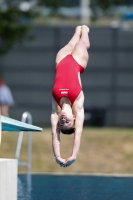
(15, 23)
(12, 28)
(106, 4)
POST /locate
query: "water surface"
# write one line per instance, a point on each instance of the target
(74, 187)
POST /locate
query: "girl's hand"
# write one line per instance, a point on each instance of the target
(69, 161)
(60, 161)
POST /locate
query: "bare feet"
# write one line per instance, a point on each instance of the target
(84, 35)
(78, 30)
(84, 27)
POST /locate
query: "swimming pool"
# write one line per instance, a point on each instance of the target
(74, 187)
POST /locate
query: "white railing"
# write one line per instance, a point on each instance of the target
(25, 117)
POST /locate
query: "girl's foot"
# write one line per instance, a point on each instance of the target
(84, 27)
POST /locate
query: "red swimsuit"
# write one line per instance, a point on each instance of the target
(66, 80)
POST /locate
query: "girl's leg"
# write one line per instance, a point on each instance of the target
(80, 52)
(4, 110)
(70, 46)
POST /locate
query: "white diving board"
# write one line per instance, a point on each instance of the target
(8, 124)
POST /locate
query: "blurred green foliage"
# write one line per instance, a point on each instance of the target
(15, 23)
(52, 3)
(105, 4)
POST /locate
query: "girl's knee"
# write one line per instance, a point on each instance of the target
(81, 54)
(80, 48)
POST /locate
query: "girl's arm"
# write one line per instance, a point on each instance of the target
(77, 136)
(78, 131)
(55, 130)
(56, 134)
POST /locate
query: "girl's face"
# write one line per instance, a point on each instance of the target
(66, 119)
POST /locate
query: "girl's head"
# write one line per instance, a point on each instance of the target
(66, 119)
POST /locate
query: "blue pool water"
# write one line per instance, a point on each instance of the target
(74, 187)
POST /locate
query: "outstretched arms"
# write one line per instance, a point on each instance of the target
(56, 136)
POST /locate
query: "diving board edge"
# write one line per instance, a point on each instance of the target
(9, 124)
